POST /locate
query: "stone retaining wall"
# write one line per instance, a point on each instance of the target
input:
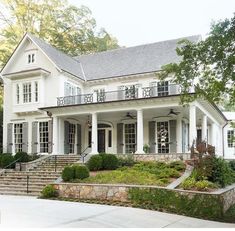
(120, 192)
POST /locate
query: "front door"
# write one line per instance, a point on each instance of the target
(101, 140)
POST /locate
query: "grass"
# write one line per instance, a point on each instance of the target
(143, 173)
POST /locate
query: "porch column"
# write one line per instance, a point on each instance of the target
(55, 136)
(179, 134)
(61, 136)
(140, 132)
(204, 128)
(192, 125)
(94, 144)
(213, 134)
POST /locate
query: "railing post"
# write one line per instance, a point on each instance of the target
(27, 185)
(55, 163)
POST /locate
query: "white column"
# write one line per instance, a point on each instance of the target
(179, 134)
(204, 128)
(61, 136)
(192, 125)
(140, 132)
(213, 134)
(94, 143)
(55, 135)
(30, 137)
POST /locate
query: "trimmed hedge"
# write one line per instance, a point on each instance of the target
(199, 205)
(49, 192)
(80, 172)
(95, 163)
(109, 161)
(68, 173)
(6, 159)
(24, 157)
(73, 172)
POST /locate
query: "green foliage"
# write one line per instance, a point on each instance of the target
(229, 215)
(222, 174)
(80, 172)
(232, 164)
(109, 161)
(177, 165)
(69, 28)
(6, 159)
(127, 176)
(126, 161)
(68, 173)
(49, 192)
(199, 205)
(160, 169)
(95, 163)
(201, 185)
(146, 148)
(212, 60)
(24, 157)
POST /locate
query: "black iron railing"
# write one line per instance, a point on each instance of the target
(127, 94)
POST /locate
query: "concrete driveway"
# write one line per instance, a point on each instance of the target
(19, 211)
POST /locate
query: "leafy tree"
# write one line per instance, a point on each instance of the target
(208, 65)
(67, 27)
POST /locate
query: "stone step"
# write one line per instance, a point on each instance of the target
(16, 193)
(16, 184)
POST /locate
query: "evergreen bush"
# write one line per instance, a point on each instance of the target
(68, 173)
(95, 163)
(109, 161)
(6, 159)
(22, 156)
(49, 191)
(80, 172)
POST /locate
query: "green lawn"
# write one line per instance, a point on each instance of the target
(143, 173)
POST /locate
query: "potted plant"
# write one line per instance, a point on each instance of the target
(146, 148)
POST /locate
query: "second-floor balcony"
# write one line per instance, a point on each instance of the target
(125, 94)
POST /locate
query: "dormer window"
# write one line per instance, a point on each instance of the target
(31, 58)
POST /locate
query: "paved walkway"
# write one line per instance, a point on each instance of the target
(19, 211)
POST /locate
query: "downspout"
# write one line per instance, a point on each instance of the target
(223, 136)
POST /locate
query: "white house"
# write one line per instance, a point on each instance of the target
(109, 102)
(229, 134)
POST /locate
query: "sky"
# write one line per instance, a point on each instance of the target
(135, 22)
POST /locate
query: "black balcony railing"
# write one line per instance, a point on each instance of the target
(128, 94)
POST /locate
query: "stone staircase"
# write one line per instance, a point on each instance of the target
(46, 172)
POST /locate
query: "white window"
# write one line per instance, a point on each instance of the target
(36, 91)
(130, 138)
(18, 137)
(163, 137)
(163, 88)
(72, 129)
(31, 58)
(27, 90)
(231, 138)
(43, 136)
(100, 95)
(17, 93)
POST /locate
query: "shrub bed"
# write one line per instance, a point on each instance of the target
(201, 206)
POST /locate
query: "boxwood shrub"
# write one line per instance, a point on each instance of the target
(68, 173)
(80, 172)
(6, 159)
(49, 191)
(95, 163)
(109, 161)
(24, 157)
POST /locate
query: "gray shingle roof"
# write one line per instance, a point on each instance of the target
(63, 61)
(115, 63)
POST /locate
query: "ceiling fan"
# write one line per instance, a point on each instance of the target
(129, 116)
(172, 112)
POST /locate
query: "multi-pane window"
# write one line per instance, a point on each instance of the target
(163, 137)
(31, 58)
(131, 92)
(43, 136)
(231, 138)
(130, 138)
(163, 88)
(17, 93)
(27, 90)
(71, 138)
(100, 95)
(36, 91)
(18, 137)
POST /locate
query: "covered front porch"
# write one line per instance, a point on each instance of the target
(158, 125)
